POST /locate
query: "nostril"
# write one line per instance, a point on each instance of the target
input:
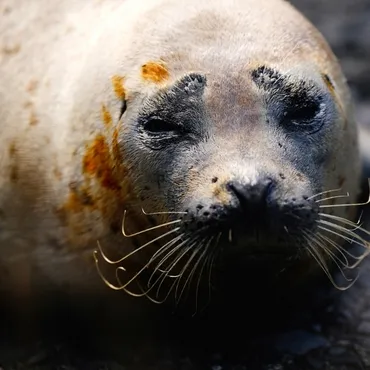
(248, 194)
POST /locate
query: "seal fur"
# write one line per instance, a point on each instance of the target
(77, 82)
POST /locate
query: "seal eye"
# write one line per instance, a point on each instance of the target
(301, 114)
(158, 125)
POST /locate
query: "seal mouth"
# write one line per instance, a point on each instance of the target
(241, 247)
(254, 238)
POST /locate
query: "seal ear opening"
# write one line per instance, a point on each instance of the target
(123, 109)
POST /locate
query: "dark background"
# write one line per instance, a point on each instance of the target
(342, 344)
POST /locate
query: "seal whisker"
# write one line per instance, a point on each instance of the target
(120, 268)
(344, 252)
(110, 285)
(145, 293)
(164, 275)
(113, 262)
(193, 270)
(349, 240)
(339, 250)
(331, 255)
(197, 248)
(321, 262)
(346, 238)
(146, 230)
(190, 239)
(323, 192)
(356, 226)
(202, 257)
(211, 259)
(173, 264)
(333, 197)
(167, 246)
(164, 259)
(182, 271)
(205, 260)
(167, 256)
(162, 213)
(349, 204)
(344, 231)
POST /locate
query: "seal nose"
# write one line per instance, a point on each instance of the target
(251, 197)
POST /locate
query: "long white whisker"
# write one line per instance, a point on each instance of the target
(332, 255)
(344, 252)
(191, 274)
(146, 230)
(106, 259)
(360, 259)
(333, 197)
(347, 222)
(347, 205)
(162, 213)
(335, 246)
(193, 255)
(201, 273)
(323, 192)
(172, 266)
(318, 258)
(345, 231)
(167, 256)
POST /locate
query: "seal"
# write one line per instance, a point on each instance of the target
(220, 133)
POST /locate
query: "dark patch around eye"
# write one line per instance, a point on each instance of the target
(295, 103)
(159, 125)
(193, 83)
(268, 78)
(300, 108)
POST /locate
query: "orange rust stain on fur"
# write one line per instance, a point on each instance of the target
(97, 162)
(78, 199)
(118, 87)
(154, 72)
(106, 116)
(73, 202)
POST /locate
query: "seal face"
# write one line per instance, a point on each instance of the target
(239, 177)
(229, 125)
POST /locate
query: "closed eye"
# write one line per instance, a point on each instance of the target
(302, 113)
(158, 125)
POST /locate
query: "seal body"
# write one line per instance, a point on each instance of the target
(206, 110)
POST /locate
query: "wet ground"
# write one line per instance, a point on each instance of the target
(333, 334)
